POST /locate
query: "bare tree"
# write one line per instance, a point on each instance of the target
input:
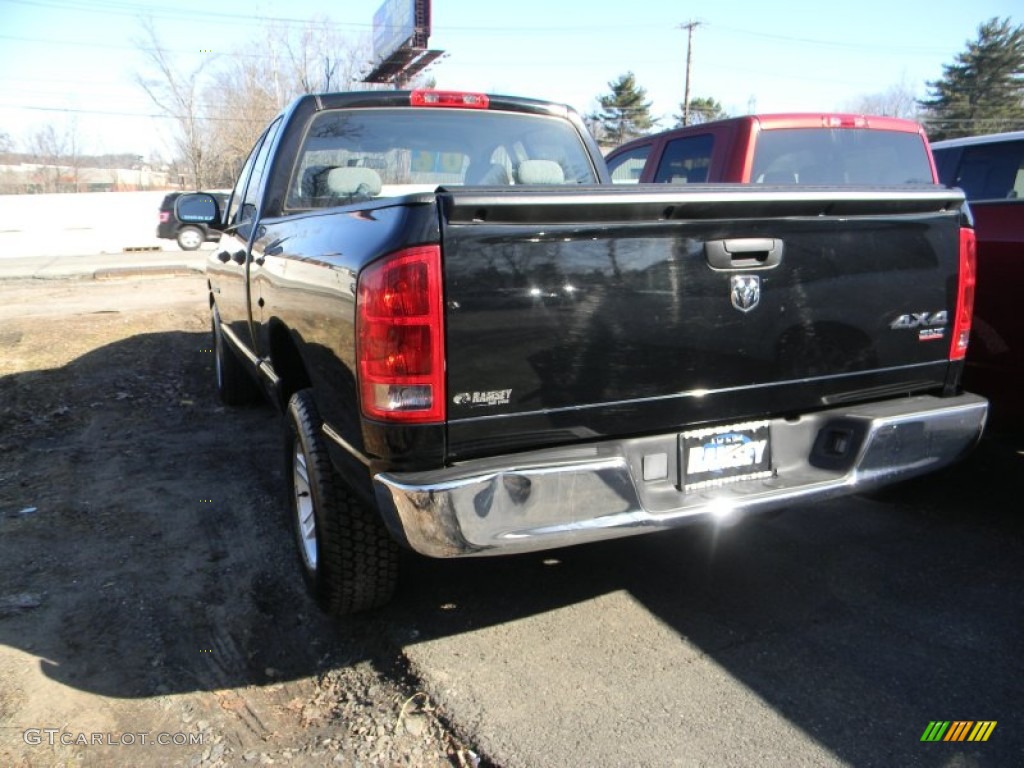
(220, 107)
(242, 93)
(8, 178)
(316, 58)
(46, 148)
(898, 100)
(247, 91)
(313, 58)
(176, 94)
(73, 158)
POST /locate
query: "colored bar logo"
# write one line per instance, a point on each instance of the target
(958, 730)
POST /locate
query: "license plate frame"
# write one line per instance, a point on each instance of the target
(724, 455)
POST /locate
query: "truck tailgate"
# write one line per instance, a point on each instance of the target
(588, 313)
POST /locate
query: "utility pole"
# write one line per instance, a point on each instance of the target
(689, 27)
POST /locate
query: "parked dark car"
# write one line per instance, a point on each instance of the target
(189, 236)
(990, 170)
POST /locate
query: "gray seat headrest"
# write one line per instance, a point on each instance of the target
(346, 182)
(540, 172)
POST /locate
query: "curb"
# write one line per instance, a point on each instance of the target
(175, 270)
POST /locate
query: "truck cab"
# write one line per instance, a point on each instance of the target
(801, 149)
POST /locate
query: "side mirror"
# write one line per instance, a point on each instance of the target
(198, 208)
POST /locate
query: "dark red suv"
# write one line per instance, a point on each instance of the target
(990, 170)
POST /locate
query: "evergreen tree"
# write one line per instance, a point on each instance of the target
(625, 112)
(983, 92)
(703, 109)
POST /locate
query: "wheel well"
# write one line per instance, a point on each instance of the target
(287, 362)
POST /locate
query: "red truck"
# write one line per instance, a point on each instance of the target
(990, 171)
(802, 149)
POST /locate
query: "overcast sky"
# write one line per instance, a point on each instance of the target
(64, 59)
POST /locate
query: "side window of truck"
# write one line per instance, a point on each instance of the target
(627, 167)
(242, 206)
(686, 160)
(231, 216)
(259, 169)
(992, 171)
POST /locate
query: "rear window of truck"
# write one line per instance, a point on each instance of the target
(840, 156)
(356, 154)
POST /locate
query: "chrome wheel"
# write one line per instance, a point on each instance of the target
(304, 515)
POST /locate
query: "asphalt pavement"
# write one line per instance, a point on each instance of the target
(138, 263)
(830, 635)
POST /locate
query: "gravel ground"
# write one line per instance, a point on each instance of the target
(147, 578)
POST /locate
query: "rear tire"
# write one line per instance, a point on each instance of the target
(348, 559)
(234, 387)
(190, 238)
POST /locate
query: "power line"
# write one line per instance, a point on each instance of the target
(168, 11)
(222, 17)
(903, 49)
(140, 48)
(114, 113)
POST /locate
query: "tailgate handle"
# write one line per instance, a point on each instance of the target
(744, 253)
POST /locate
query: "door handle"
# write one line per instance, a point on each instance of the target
(238, 257)
(744, 253)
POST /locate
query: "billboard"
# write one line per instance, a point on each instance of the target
(398, 24)
(401, 31)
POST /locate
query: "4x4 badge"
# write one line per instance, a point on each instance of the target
(745, 291)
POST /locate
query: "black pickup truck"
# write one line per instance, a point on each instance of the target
(481, 346)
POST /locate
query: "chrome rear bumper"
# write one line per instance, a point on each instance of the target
(562, 496)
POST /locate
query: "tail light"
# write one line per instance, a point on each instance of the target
(844, 121)
(400, 331)
(965, 294)
(424, 98)
(164, 217)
